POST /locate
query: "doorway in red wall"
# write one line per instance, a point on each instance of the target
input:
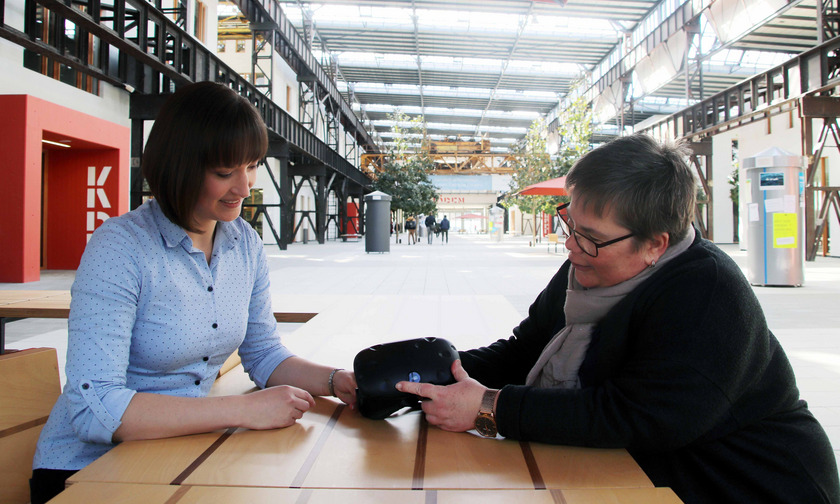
(79, 188)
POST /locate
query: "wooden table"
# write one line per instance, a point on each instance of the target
(132, 493)
(333, 447)
(20, 304)
(333, 454)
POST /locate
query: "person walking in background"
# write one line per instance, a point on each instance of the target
(444, 230)
(411, 227)
(430, 227)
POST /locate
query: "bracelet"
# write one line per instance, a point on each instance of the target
(330, 382)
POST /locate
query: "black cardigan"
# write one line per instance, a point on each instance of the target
(685, 374)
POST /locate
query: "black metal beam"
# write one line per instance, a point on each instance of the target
(186, 61)
(811, 72)
(293, 48)
(38, 47)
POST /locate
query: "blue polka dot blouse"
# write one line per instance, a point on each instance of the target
(149, 314)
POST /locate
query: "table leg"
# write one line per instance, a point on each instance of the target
(3, 321)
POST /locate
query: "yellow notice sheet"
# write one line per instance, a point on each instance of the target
(784, 230)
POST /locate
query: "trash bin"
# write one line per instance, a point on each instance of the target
(377, 222)
(775, 217)
(496, 226)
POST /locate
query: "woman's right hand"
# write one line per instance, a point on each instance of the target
(275, 407)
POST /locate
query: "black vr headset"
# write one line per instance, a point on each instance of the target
(380, 367)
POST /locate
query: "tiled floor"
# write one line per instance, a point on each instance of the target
(473, 290)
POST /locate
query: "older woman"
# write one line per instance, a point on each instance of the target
(648, 338)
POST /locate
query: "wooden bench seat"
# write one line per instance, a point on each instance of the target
(29, 387)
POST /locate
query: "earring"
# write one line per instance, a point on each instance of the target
(652, 264)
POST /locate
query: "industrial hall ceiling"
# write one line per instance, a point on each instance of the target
(486, 69)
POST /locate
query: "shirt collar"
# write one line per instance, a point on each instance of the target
(227, 233)
(172, 233)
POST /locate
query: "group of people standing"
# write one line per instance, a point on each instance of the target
(432, 228)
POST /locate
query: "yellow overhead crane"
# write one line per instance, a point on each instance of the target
(456, 156)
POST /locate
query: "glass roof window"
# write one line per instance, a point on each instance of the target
(442, 91)
(448, 21)
(441, 63)
(524, 115)
(387, 123)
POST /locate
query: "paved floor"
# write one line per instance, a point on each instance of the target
(481, 287)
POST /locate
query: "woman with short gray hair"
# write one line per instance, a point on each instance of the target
(648, 338)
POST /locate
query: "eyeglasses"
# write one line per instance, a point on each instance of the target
(588, 245)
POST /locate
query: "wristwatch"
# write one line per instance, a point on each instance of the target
(485, 422)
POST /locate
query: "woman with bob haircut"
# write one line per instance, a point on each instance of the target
(648, 338)
(165, 293)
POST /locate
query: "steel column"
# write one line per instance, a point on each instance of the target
(826, 108)
(137, 193)
(701, 160)
(287, 208)
(320, 209)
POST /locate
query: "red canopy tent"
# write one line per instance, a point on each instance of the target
(553, 187)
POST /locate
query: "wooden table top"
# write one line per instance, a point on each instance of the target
(17, 296)
(40, 304)
(335, 447)
(56, 304)
(132, 493)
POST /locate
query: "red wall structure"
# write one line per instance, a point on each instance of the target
(353, 219)
(92, 172)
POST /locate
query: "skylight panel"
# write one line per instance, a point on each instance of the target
(524, 115)
(441, 63)
(454, 21)
(456, 129)
(443, 91)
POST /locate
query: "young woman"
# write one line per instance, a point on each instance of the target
(165, 293)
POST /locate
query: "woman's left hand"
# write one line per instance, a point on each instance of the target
(450, 407)
(344, 384)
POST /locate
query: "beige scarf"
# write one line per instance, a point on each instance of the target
(560, 360)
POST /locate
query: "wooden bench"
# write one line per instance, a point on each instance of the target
(29, 386)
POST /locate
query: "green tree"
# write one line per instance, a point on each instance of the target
(734, 191)
(574, 127)
(405, 173)
(533, 163)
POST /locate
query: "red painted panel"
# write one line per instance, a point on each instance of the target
(353, 219)
(13, 133)
(81, 190)
(546, 223)
(28, 120)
